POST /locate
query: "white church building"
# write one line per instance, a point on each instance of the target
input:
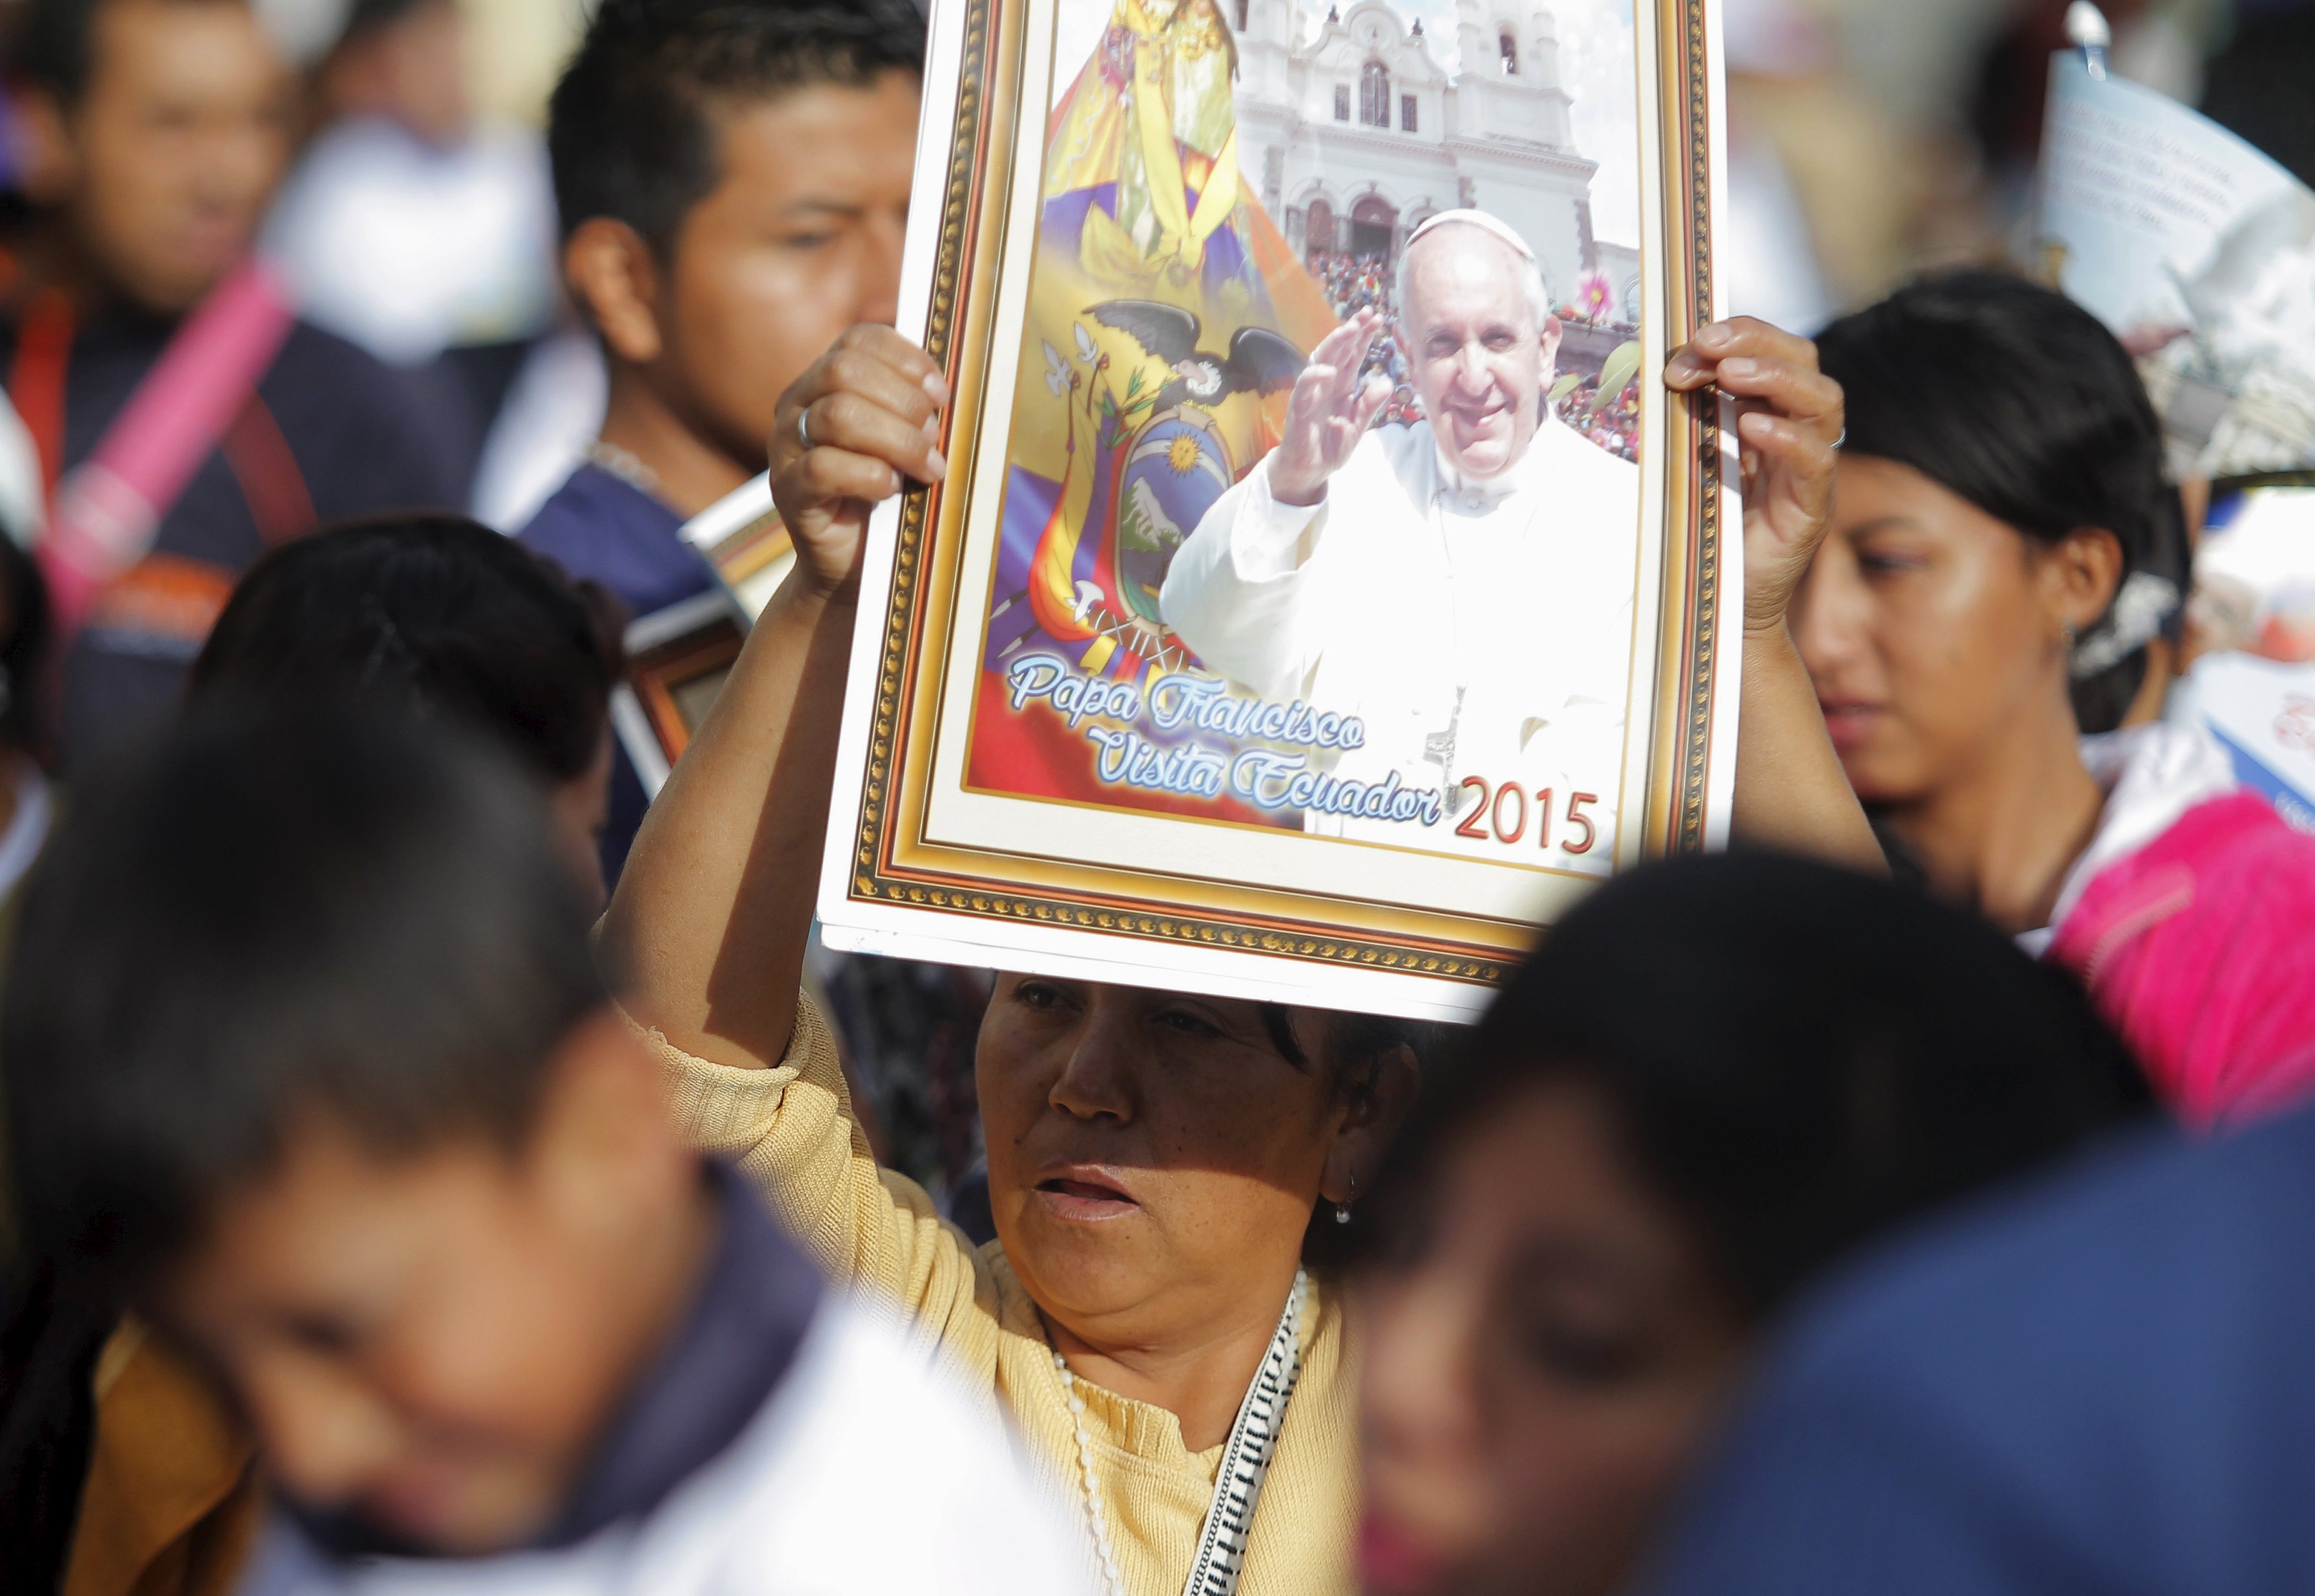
(1355, 134)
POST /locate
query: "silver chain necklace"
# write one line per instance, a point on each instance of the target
(1246, 1461)
(621, 463)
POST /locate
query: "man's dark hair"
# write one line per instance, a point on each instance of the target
(54, 44)
(1795, 1059)
(632, 128)
(277, 910)
(432, 612)
(2019, 401)
(366, 19)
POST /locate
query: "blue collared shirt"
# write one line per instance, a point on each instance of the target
(602, 529)
(599, 528)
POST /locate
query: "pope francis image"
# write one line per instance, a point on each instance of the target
(1463, 585)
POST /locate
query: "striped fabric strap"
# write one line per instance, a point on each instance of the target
(109, 507)
(1246, 1460)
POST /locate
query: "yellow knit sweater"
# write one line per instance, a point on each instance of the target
(792, 1131)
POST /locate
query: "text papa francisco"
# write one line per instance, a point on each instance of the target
(1108, 712)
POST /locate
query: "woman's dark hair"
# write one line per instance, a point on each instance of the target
(2018, 400)
(56, 1323)
(23, 646)
(437, 612)
(49, 1328)
(1792, 1057)
(1356, 1045)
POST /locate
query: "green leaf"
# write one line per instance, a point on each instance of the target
(1623, 365)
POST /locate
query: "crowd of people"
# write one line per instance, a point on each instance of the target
(1356, 283)
(1614, 426)
(1352, 282)
(428, 1166)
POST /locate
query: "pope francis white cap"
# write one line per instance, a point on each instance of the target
(1472, 218)
(1538, 290)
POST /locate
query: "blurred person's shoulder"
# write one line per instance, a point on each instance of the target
(2131, 1329)
(2102, 1380)
(2125, 1225)
(865, 1472)
(314, 358)
(872, 1470)
(359, 428)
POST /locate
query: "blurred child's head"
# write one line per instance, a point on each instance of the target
(1715, 1079)
(307, 1056)
(441, 613)
(733, 182)
(404, 61)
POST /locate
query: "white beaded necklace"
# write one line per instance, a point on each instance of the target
(1246, 1461)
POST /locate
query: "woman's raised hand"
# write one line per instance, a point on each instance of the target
(710, 922)
(1791, 793)
(1789, 427)
(856, 427)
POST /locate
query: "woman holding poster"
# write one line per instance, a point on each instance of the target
(1157, 1158)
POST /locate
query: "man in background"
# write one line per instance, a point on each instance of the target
(733, 187)
(152, 133)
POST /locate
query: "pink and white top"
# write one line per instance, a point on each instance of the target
(2191, 920)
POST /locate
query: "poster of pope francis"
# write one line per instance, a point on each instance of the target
(1306, 594)
(1461, 583)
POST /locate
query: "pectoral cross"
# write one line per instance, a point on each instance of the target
(1439, 748)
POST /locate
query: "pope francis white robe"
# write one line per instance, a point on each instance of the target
(1483, 632)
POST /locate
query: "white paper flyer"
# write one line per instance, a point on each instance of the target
(2199, 252)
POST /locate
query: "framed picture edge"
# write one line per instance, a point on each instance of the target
(1728, 685)
(1684, 805)
(1228, 972)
